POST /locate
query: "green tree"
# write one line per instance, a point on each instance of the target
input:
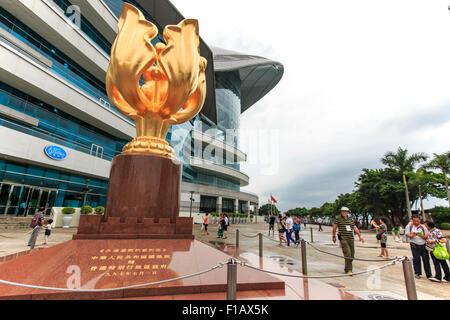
(441, 162)
(265, 209)
(403, 163)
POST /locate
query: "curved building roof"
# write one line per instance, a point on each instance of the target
(258, 75)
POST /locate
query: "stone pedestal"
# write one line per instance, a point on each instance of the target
(143, 202)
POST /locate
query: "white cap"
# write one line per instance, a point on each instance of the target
(345, 209)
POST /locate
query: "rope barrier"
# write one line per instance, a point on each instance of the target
(325, 252)
(349, 258)
(394, 262)
(219, 265)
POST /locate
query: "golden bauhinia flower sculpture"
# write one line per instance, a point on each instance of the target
(175, 82)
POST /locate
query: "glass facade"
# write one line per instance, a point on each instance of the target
(86, 27)
(116, 8)
(61, 64)
(25, 188)
(58, 126)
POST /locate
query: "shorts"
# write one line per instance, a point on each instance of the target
(271, 226)
(383, 245)
(205, 226)
(225, 228)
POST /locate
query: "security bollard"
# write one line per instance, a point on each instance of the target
(231, 280)
(260, 244)
(304, 262)
(410, 283)
(312, 237)
(237, 238)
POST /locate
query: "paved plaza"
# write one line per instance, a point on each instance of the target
(387, 283)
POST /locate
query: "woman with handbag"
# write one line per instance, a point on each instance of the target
(281, 229)
(435, 242)
(382, 236)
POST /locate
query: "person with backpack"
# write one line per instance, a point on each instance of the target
(297, 227)
(417, 235)
(36, 224)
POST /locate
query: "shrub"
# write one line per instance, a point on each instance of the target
(99, 210)
(86, 210)
(252, 216)
(444, 226)
(440, 214)
(68, 210)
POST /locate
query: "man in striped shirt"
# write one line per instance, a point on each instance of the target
(346, 226)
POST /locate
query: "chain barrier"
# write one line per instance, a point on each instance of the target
(348, 258)
(394, 262)
(248, 236)
(325, 252)
(217, 266)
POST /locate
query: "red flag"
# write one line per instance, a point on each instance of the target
(273, 199)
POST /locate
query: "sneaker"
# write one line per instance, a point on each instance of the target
(349, 272)
(444, 281)
(434, 279)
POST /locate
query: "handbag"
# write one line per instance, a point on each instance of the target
(440, 252)
(379, 236)
(429, 247)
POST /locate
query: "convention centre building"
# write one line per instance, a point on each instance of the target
(59, 131)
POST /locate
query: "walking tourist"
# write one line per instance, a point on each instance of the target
(435, 236)
(418, 235)
(226, 223)
(206, 223)
(382, 236)
(281, 229)
(48, 230)
(272, 224)
(36, 223)
(345, 225)
(297, 227)
(396, 233)
(305, 220)
(289, 225)
(320, 221)
(220, 228)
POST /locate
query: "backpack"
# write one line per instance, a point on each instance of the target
(35, 220)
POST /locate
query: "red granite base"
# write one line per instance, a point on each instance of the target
(102, 264)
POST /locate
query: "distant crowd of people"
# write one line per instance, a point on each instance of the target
(286, 226)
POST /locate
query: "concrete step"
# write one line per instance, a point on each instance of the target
(9, 223)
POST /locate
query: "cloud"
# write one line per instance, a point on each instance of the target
(361, 78)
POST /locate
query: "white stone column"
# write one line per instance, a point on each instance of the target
(219, 204)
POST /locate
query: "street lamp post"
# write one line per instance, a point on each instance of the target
(85, 190)
(192, 200)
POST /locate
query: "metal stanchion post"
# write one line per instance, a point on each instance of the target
(34, 235)
(260, 244)
(410, 283)
(237, 238)
(231, 280)
(304, 262)
(312, 237)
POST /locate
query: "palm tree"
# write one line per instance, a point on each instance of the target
(441, 162)
(403, 163)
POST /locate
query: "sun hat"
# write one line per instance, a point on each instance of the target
(345, 209)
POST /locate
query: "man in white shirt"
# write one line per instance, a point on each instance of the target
(320, 221)
(417, 235)
(289, 229)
